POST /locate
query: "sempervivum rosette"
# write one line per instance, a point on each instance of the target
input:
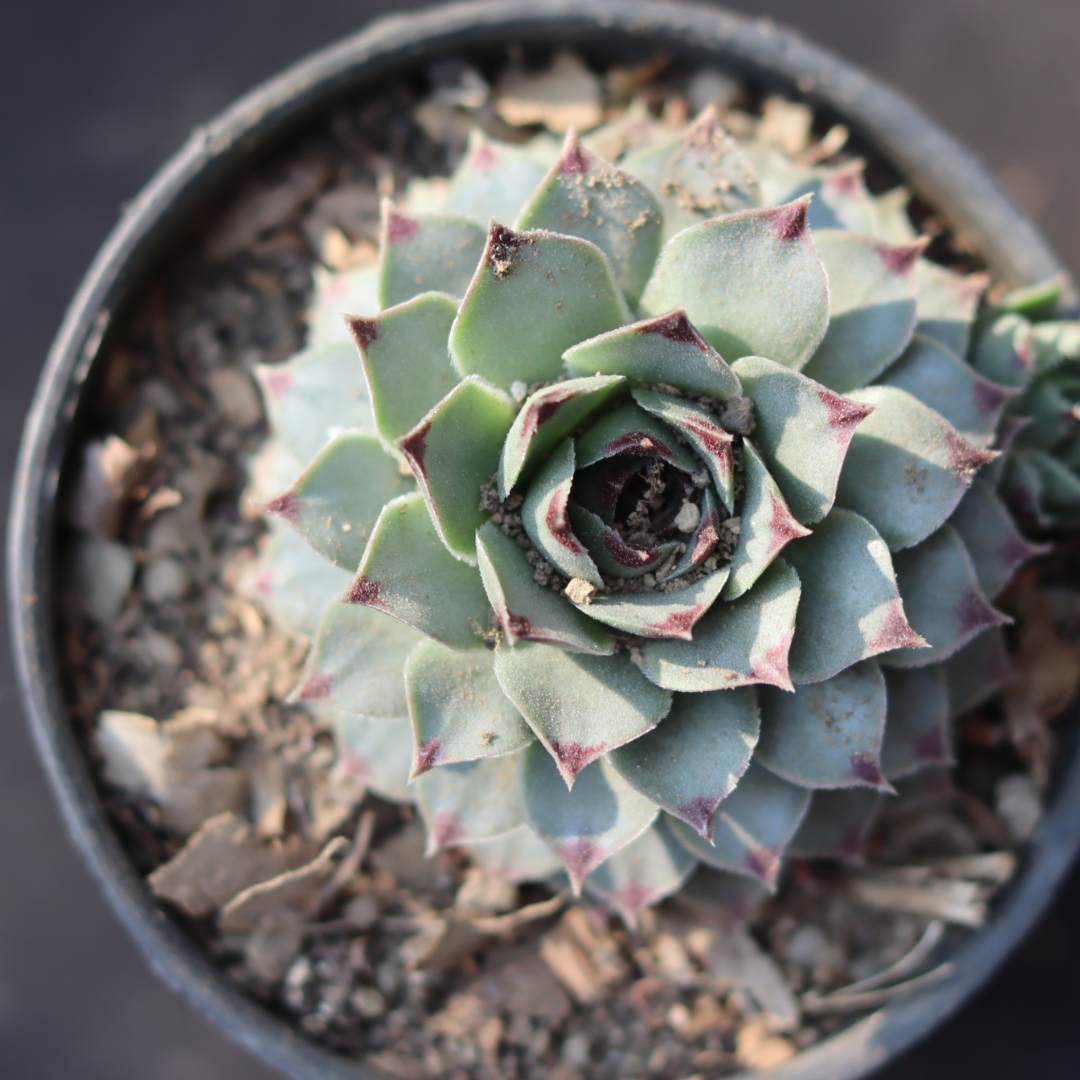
(666, 513)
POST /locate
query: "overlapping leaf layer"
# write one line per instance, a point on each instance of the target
(663, 508)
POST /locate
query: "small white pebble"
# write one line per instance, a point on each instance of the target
(518, 390)
(688, 517)
(1017, 802)
(649, 580)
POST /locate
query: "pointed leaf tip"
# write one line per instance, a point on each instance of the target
(900, 259)
(590, 198)
(397, 225)
(587, 825)
(789, 222)
(365, 332)
(286, 506)
(694, 758)
(827, 734)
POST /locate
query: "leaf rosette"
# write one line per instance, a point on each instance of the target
(655, 515)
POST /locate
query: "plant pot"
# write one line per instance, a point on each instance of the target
(942, 172)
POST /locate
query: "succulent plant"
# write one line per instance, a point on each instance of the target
(658, 528)
(1024, 342)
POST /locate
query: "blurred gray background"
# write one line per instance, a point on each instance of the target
(93, 97)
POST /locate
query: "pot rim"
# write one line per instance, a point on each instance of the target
(935, 165)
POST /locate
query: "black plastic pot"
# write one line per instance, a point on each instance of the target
(939, 169)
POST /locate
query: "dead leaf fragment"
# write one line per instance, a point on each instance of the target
(223, 858)
(296, 887)
(757, 1049)
(732, 959)
(109, 471)
(564, 95)
(786, 124)
(584, 960)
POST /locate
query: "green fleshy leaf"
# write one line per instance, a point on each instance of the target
(839, 194)
(294, 582)
(425, 254)
(947, 304)
(701, 174)
(585, 826)
(453, 452)
(1052, 413)
(314, 396)
(458, 710)
(354, 291)
(872, 291)
(827, 734)
(545, 419)
(587, 197)
(942, 598)
(580, 707)
(893, 221)
(751, 282)
(737, 644)
(837, 825)
(1060, 486)
(951, 387)
(376, 754)
(614, 555)
(668, 615)
(406, 361)
(1005, 351)
(766, 526)
(631, 431)
(335, 503)
(1039, 301)
(493, 180)
(408, 573)
(703, 541)
(803, 433)
(997, 548)
(752, 827)
(470, 801)
(1021, 487)
(545, 518)
(978, 671)
(907, 467)
(533, 296)
(527, 611)
(336, 683)
(1055, 342)
(519, 855)
(699, 427)
(666, 349)
(917, 725)
(851, 607)
(695, 756)
(653, 866)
